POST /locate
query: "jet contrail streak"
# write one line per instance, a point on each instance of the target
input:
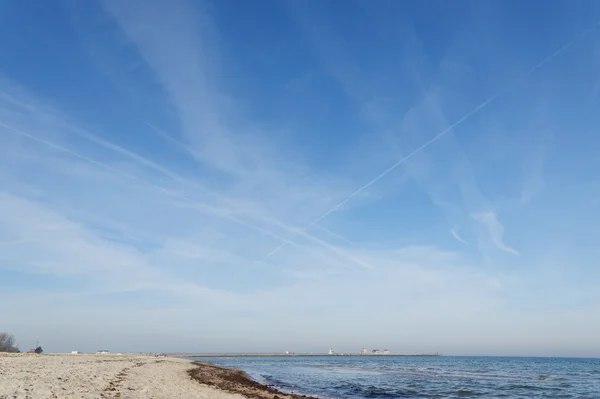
(438, 136)
(201, 207)
(294, 230)
(174, 176)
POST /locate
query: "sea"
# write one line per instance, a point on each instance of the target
(360, 377)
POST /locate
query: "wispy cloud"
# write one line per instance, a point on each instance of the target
(454, 232)
(180, 52)
(495, 230)
(183, 71)
(227, 213)
(479, 107)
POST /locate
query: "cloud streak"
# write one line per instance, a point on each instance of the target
(495, 230)
(444, 132)
(454, 232)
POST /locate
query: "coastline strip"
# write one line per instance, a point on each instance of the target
(236, 382)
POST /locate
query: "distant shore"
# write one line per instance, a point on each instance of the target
(192, 355)
(123, 376)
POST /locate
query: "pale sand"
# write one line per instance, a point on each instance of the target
(100, 376)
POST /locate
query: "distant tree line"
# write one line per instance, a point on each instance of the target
(7, 343)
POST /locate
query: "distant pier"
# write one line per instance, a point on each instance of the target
(296, 354)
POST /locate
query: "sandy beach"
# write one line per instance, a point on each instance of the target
(30, 376)
(100, 376)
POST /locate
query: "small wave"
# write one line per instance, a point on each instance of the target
(371, 391)
(565, 385)
(523, 386)
(353, 370)
(541, 378)
(270, 380)
(382, 393)
(465, 393)
(547, 378)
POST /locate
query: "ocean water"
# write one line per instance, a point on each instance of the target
(424, 377)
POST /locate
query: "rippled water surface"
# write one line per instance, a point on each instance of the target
(424, 377)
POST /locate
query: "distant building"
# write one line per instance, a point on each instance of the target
(330, 351)
(385, 352)
(102, 352)
(363, 351)
(376, 352)
(74, 352)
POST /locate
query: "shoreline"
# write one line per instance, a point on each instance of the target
(26, 376)
(237, 382)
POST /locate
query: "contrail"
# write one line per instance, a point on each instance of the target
(336, 235)
(294, 230)
(202, 207)
(438, 136)
(341, 252)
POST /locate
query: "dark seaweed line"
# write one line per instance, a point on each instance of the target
(236, 381)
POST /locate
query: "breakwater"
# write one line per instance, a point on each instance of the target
(186, 355)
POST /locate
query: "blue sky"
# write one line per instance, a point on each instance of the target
(299, 175)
